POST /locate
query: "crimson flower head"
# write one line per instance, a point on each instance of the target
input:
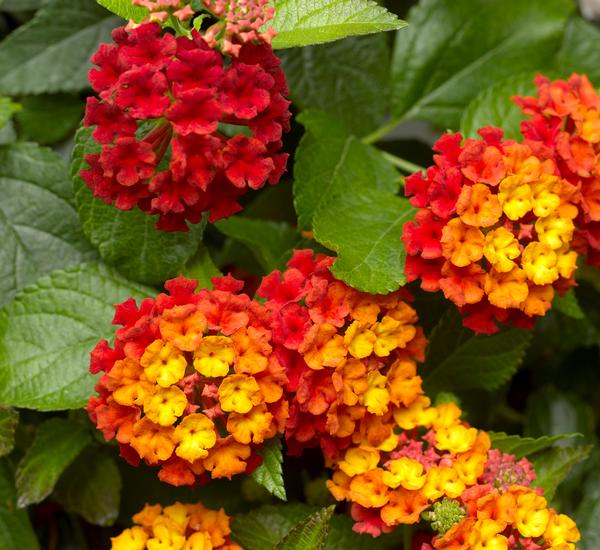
(159, 120)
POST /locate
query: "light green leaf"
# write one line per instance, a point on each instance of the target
(310, 533)
(51, 53)
(330, 161)
(580, 50)
(268, 241)
(553, 465)
(494, 107)
(16, 532)
(39, 228)
(524, 446)
(348, 78)
(7, 109)
(9, 418)
(91, 487)
(48, 331)
(269, 474)
(128, 239)
(306, 22)
(453, 49)
(370, 253)
(57, 443)
(568, 305)
(459, 360)
(124, 9)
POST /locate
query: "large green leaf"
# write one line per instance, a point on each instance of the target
(453, 49)
(588, 513)
(57, 443)
(568, 305)
(524, 446)
(269, 474)
(39, 229)
(16, 532)
(348, 78)
(48, 331)
(128, 239)
(91, 487)
(9, 418)
(124, 9)
(306, 22)
(580, 50)
(308, 534)
(51, 52)
(459, 360)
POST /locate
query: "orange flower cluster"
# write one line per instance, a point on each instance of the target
(349, 356)
(494, 231)
(191, 384)
(179, 526)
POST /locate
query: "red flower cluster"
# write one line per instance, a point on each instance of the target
(191, 384)
(162, 101)
(349, 356)
(565, 125)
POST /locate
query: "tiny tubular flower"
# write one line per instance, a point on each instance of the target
(326, 350)
(405, 472)
(369, 489)
(360, 340)
(359, 460)
(419, 413)
(515, 196)
(440, 481)
(507, 290)
(555, 231)
(462, 244)
(501, 248)
(456, 438)
(376, 397)
(183, 326)
(239, 393)
(540, 263)
(194, 436)
(163, 363)
(165, 406)
(486, 535)
(531, 516)
(477, 206)
(561, 529)
(214, 355)
(254, 426)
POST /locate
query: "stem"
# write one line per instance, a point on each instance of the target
(404, 165)
(382, 132)
(407, 538)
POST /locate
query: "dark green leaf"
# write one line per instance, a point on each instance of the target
(310, 533)
(49, 119)
(128, 239)
(268, 241)
(349, 79)
(51, 52)
(201, 267)
(269, 474)
(16, 532)
(57, 443)
(306, 22)
(453, 49)
(39, 229)
(588, 513)
(568, 305)
(459, 360)
(48, 331)
(524, 446)
(494, 107)
(124, 9)
(20, 5)
(91, 487)
(9, 418)
(580, 50)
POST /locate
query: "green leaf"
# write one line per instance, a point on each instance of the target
(268, 241)
(16, 532)
(49, 119)
(124, 9)
(306, 22)
(20, 5)
(524, 446)
(128, 239)
(51, 53)
(568, 305)
(580, 50)
(349, 79)
(588, 512)
(370, 253)
(201, 267)
(330, 161)
(48, 331)
(57, 443)
(9, 418)
(39, 228)
(91, 487)
(310, 533)
(495, 107)
(7, 109)
(269, 474)
(553, 465)
(459, 360)
(453, 49)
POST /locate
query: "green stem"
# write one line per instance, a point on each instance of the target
(407, 538)
(404, 165)
(383, 131)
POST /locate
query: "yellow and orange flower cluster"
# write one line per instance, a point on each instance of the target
(191, 384)
(349, 356)
(177, 527)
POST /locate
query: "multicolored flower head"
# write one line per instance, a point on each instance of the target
(349, 356)
(494, 231)
(159, 120)
(179, 526)
(564, 123)
(191, 385)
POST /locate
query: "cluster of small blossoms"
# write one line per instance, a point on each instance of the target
(159, 121)
(349, 356)
(177, 527)
(494, 229)
(391, 482)
(161, 9)
(191, 384)
(565, 125)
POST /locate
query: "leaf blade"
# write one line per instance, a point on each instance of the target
(270, 474)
